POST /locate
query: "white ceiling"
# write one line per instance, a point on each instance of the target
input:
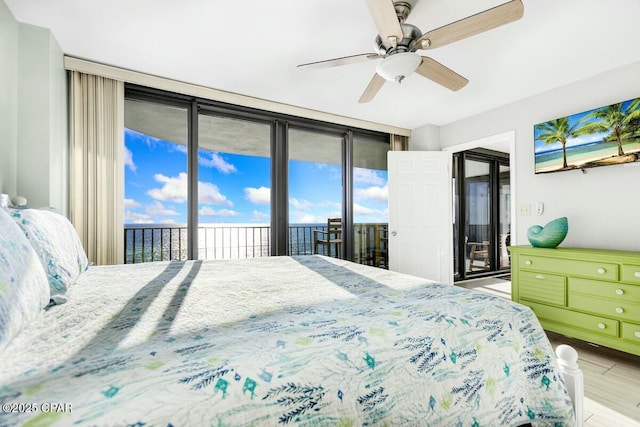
(252, 47)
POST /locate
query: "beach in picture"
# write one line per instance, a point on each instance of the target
(599, 137)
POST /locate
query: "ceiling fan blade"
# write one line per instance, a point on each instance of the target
(386, 21)
(345, 60)
(472, 25)
(372, 89)
(433, 70)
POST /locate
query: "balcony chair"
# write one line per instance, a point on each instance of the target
(331, 237)
(479, 252)
(381, 247)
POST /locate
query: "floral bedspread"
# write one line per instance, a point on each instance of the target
(280, 341)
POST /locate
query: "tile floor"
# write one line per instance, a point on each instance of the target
(611, 378)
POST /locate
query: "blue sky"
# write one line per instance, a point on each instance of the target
(236, 189)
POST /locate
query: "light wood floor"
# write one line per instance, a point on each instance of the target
(611, 378)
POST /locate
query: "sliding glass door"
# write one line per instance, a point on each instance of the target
(155, 161)
(504, 215)
(482, 213)
(234, 187)
(478, 188)
(370, 201)
(206, 180)
(315, 193)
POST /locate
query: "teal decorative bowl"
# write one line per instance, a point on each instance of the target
(549, 236)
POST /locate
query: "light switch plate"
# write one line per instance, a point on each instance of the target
(524, 210)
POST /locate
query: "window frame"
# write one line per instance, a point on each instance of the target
(280, 124)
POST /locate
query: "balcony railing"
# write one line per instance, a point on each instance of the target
(147, 242)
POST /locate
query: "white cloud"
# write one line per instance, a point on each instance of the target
(174, 189)
(209, 193)
(310, 219)
(261, 215)
(228, 212)
(362, 210)
(207, 211)
(301, 204)
(380, 194)
(131, 204)
(181, 148)
(215, 160)
(158, 209)
(259, 196)
(137, 218)
(367, 176)
(128, 160)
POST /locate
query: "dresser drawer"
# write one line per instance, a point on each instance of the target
(631, 332)
(589, 269)
(543, 287)
(588, 322)
(620, 291)
(618, 309)
(630, 273)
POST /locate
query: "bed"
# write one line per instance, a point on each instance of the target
(278, 341)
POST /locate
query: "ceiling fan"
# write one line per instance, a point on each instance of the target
(397, 43)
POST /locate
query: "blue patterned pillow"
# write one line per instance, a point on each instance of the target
(24, 289)
(57, 244)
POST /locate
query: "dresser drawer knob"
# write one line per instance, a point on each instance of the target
(601, 270)
(637, 274)
(637, 334)
(619, 292)
(528, 262)
(601, 325)
(540, 276)
(619, 310)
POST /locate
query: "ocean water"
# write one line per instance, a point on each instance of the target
(157, 242)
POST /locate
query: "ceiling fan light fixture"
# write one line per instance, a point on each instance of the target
(395, 68)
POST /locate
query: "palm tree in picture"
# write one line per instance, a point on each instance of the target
(560, 130)
(617, 119)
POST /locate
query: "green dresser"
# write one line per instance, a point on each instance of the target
(590, 294)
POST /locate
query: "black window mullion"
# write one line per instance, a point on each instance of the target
(462, 217)
(192, 174)
(347, 196)
(279, 188)
(495, 214)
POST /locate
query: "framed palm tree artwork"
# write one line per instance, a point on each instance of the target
(603, 136)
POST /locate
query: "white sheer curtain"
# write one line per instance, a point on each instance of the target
(96, 166)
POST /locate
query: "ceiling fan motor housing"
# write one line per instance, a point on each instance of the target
(410, 33)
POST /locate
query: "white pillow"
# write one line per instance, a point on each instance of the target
(57, 244)
(24, 289)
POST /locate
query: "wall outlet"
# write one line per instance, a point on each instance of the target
(524, 210)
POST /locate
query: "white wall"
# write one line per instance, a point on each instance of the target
(33, 114)
(8, 100)
(603, 204)
(425, 138)
(42, 119)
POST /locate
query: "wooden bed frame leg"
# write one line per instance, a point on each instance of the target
(572, 375)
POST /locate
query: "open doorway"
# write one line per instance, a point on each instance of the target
(483, 179)
(482, 213)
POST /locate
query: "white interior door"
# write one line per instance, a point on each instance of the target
(420, 214)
